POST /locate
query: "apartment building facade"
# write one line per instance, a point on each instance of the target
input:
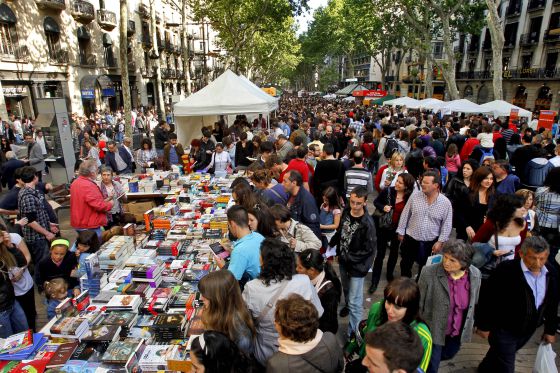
(70, 49)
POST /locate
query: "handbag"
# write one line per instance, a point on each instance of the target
(386, 220)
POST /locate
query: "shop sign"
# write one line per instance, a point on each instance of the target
(350, 80)
(108, 92)
(546, 119)
(88, 93)
(370, 93)
(14, 91)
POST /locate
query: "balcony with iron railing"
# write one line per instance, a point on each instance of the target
(390, 78)
(523, 73)
(131, 65)
(552, 35)
(179, 74)
(51, 4)
(87, 60)
(107, 20)
(21, 53)
(529, 39)
(83, 11)
(59, 57)
(147, 72)
(509, 43)
(111, 63)
(535, 5)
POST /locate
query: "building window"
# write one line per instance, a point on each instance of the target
(110, 60)
(437, 50)
(7, 39)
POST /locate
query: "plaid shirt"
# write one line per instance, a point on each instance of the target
(425, 222)
(359, 126)
(31, 205)
(547, 208)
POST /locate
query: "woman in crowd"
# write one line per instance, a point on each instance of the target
(390, 200)
(224, 311)
(243, 149)
(277, 279)
(243, 195)
(86, 244)
(261, 220)
(19, 274)
(220, 162)
(486, 138)
(92, 152)
(112, 190)
(329, 214)
(303, 347)
(449, 293)
(395, 168)
(272, 194)
(474, 205)
(311, 263)
(146, 156)
(547, 208)
(214, 352)
(502, 233)
(369, 150)
(529, 198)
(401, 302)
(458, 186)
(452, 160)
(12, 317)
(298, 236)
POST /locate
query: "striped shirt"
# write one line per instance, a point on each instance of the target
(426, 222)
(357, 176)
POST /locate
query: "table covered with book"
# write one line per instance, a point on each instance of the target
(139, 308)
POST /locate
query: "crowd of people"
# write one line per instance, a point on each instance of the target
(467, 206)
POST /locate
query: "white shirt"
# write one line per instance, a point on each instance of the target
(555, 161)
(534, 123)
(41, 142)
(17, 127)
(26, 282)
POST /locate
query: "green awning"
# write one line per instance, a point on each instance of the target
(50, 25)
(381, 100)
(7, 15)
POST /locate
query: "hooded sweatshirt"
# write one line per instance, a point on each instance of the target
(536, 171)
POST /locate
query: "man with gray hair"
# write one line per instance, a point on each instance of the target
(8, 168)
(88, 208)
(118, 158)
(518, 297)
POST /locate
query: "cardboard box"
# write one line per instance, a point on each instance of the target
(138, 208)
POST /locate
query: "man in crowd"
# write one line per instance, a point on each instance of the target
(506, 183)
(118, 158)
(358, 175)
(8, 169)
(172, 152)
(301, 166)
(88, 208)
(31, 205)
(329, 172)
(519, 295)
(277, 167)
(356, 244)
(283, 146)
(330, 138)
(35, 155)
(425, 223)
(245, 258)
(393, 347)
(522, 155)
(301, 203)
(160, 137)
(207, 147)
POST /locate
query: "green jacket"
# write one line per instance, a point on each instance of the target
(374, 320)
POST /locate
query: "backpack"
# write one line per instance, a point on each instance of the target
(391, 146)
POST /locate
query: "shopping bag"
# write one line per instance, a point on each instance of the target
(434, 259)
(544, 362)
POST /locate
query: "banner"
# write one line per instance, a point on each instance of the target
(546, 119)
(513, 118)
(375, 93)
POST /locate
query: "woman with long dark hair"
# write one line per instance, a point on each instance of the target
(390, 200)
(401, 302)
(312, 263)
(261, 220)
(471, 208)
(214, 352)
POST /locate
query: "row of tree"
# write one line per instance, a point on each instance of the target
(381, 28)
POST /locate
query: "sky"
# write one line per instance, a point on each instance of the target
(308, 16)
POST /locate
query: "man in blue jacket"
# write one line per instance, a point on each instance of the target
(118, 158)
(301, 203)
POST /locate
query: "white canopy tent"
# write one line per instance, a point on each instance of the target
(403, 101)
(229, 94)
(502, 108)
(462, 106)
(349, 99)
(428, 103)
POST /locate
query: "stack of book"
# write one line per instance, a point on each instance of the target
(70, 327)
(114, 252)
(121, 352)
(168, 248)
(149, 274)
(21, 346)
(124, 320)
(103, 333)
(155, 357)
(124, 303)
(169, 326)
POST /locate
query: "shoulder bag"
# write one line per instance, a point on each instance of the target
(271, 302)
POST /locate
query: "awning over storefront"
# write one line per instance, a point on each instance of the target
(349, 89)
(83, 33)
(107, 40)
(50, 25)
(7, 15)
(88, 85)
(43, 120)
(381, 100)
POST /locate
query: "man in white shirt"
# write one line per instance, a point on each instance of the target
(18, 129)
(534, 123)
(40, 139)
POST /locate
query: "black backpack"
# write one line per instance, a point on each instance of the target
(391, 146)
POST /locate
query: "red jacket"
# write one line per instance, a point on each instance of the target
(467, 149)
(88, 209)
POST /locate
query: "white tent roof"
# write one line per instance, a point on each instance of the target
(258, 91)
(429, 103)
(462, 106)
(349, 99)
(402, 101)
(502, 108)
(228, 94)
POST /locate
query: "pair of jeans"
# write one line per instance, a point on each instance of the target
(353, 288)
(12, 321)
(38, 249)
(445, 352)
(385, 237)
(27, 303)
(414, 251)
(500, 358)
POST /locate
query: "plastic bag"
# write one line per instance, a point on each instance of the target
(544, 362)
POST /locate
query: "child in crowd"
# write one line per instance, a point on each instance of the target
(56, 291)
(329, 214)
(60, 263)
(452, 160)
(86, 244)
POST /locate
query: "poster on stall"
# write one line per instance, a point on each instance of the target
(546, 119)
(513, 118)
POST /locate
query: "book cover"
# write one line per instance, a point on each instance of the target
(47, 352)
(119, 318)
(8, 366)
(74, 366)
(119, 352)
(82, 301)
(63, 354)
(88, 349)
(33, 366)
(103, 333)
(16, 342)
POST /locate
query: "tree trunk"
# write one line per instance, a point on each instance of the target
(448, 68)
(429, 87)
(186, 46)
(497, 35)
(123, 51)
(157, 68)
(350, 65)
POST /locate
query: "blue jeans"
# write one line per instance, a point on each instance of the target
(442, 353)
(12, 321)
(353, 288)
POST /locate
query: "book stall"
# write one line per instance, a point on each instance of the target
(139, 308)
